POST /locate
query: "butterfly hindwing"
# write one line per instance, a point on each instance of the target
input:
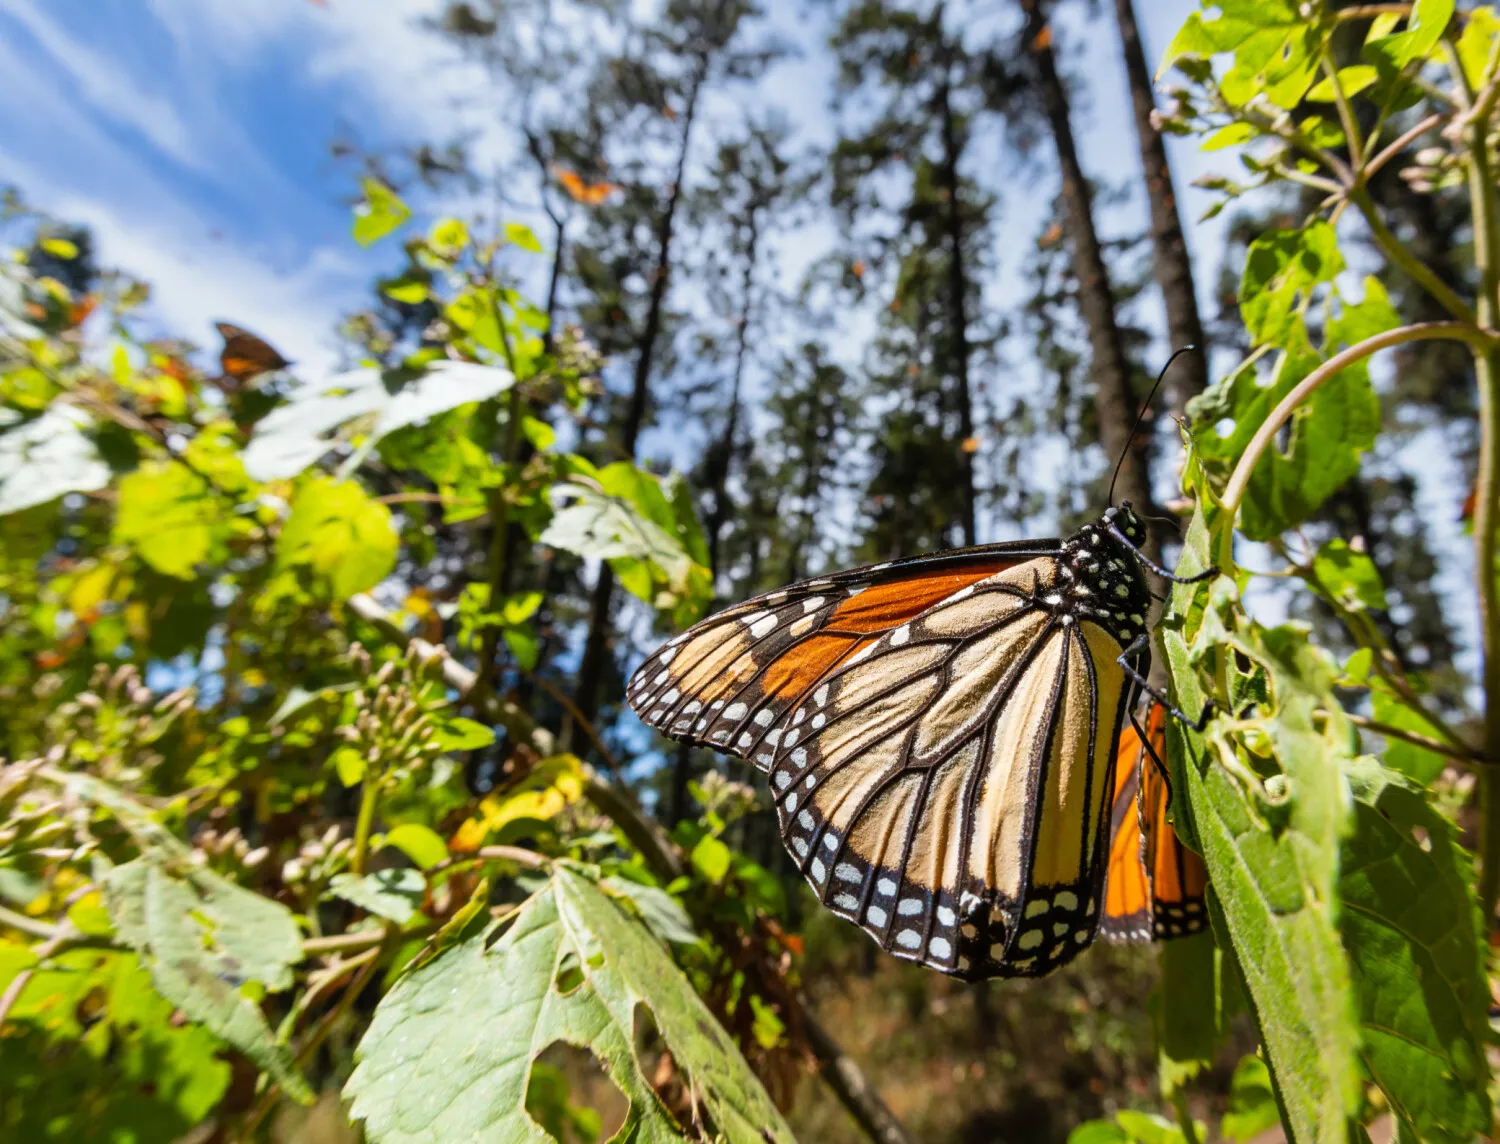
(245, 356)
(946, 787)
(1156, 884)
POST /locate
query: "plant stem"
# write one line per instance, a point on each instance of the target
(1346, 116)
(1486, 517)
(1458, 754)
(1234, 492)
(1414, 268)
(1184, 1116)
(1401, 143)
(369, 800)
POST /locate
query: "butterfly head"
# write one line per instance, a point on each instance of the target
(1124, 518)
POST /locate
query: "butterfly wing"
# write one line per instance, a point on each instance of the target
(1155, 883)
(945, 786)
(245, 355)
(726, 682)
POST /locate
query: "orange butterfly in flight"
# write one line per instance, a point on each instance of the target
(246, 356)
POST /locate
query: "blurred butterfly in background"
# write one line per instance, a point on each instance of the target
(1155, 885)
(589, 194)
(246, 356)
(941, 735)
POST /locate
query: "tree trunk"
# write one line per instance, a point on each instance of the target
(1174, 269)
(1114, 402)
(596, 646)
(958, 290)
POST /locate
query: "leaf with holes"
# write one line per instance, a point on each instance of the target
(1410, 925)
(1271, 846)
(450, 1050)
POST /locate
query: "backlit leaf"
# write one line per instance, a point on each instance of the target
(449, 1053)
(381, 212)
(345, 539)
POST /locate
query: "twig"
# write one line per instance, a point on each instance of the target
(849, 1084)
(528, 858)
(1401, 143)
(1239, 481)
(18, 983)
(578, 718)
(1461, 754)
(34, 926)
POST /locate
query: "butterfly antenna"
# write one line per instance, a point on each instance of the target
(1141, 416)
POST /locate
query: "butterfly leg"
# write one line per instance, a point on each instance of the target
(1127, 659)
(1206, 574)
(1150, 749)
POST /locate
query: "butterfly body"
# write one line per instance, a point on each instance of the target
(940, 736)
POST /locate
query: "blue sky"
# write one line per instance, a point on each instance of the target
(193, 136)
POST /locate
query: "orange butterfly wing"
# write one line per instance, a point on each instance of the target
(246, 356)
(1155, 885)
(722, 683)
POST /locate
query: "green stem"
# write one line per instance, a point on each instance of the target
(1234, 492)
(1486, 512)
(369, 800)
(1346, 115)
(1414, 268)
(1185, 1116)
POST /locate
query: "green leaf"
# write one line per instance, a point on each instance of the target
(1098, 1132)
(455, 733)
(519, 234)
(1348, 577)
(1191, 1009)
(1149, 1128)
(1424, 27)
(1417, 763)
(338, 533)
(1252, 1102)
(409, 290)
(202, 937)
(1480, 29)
(381, 212)
(1357, 667)
(1274, 882)
(449, 236)
(1281, 269)
(451, 1047)
(395, 895)
(1411, 928)
(164, 1077)
(350, 764)
(710, 857)
(658, 909)
(1352, 81)
(297, 434)
(1230, 136)
(539, 433)
(519, 607)
(59, 248)
(421, 844)
(524, 644)
(168, 515)
(46, 457)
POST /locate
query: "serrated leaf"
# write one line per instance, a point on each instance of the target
(1281, 268)
(295, 435)
(167, 514)
(1410, 925)
(46, 457)
(341, 535)
(395, 895)
(202, 937)
(449, 1052)
(1275, 888)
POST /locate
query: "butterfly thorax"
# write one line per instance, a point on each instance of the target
(1100, 577)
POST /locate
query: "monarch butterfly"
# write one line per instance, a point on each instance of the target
(940, 734)
(246, 356)
(1155, 885)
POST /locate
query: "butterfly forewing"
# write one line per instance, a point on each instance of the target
(725, 682)
(1156, 884)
